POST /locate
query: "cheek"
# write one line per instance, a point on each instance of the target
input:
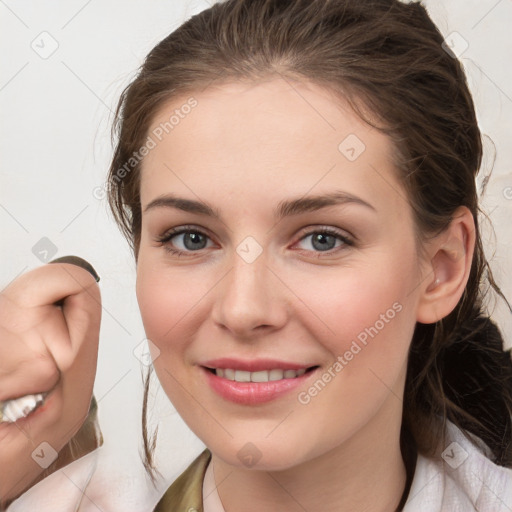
(364, 319)
(368, 304)
(170, 302)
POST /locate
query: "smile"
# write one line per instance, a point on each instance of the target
(259, 376)
(246, 387)
(14, 410)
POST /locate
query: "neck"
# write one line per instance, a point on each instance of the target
(366, 472)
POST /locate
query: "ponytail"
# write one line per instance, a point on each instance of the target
(468, 381)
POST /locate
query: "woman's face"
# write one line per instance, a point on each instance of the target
(254, 174)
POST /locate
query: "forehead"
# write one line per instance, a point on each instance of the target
(268, 136)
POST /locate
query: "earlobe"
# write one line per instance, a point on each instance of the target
(451, 255)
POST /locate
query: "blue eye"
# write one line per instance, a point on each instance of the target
(193, 240)
(324, 240)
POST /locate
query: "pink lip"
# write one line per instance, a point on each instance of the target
(254, 365)
(251, 393)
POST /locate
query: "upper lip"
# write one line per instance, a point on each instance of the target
(44, 393)
(253, 365)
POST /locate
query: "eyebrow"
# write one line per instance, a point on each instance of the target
(285, 208)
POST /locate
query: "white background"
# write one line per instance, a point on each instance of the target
(55, 149)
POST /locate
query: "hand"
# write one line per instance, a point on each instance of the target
(49, 332)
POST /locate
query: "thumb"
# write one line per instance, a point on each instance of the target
(50, 301)
(81, 311)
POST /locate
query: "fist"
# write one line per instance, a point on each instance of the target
(49, 332)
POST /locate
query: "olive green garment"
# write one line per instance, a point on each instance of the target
(186, 492)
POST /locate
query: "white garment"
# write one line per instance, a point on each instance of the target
(476, 485)
(464, 480)
(97, 482)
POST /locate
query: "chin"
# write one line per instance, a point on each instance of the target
(258, 455)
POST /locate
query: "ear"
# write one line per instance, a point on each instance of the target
(445, 277)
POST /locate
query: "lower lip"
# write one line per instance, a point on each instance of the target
(250, 393)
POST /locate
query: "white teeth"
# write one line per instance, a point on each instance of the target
(13, 410)
(275, 374)
(229, 374)
(242, 376)
(260, 376)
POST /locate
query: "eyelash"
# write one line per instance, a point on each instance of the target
(169, 235)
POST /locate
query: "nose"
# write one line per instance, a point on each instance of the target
(250, 299)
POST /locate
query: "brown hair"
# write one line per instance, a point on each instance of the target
(386, 58)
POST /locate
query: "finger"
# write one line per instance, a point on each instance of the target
(80, 262)
(36, 374)
(81, 314)
(31, 305)
(49, 284)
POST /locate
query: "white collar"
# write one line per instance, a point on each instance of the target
(463, 480)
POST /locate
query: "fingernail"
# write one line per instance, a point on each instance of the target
(80, 262)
